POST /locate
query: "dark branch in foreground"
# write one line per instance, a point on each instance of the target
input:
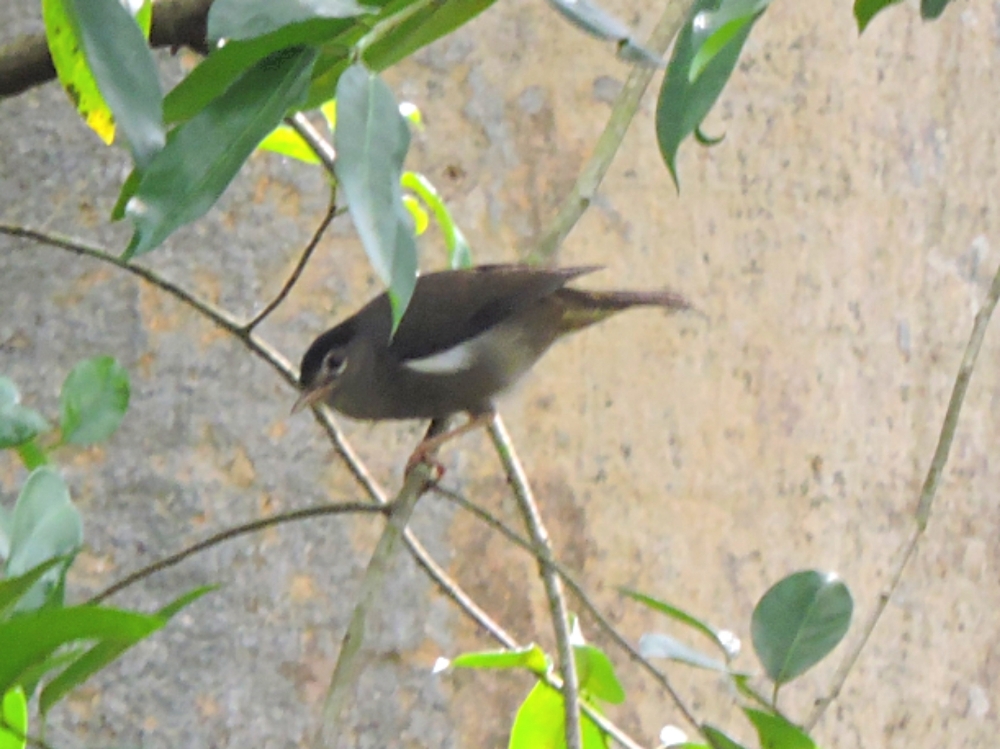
(26, 62)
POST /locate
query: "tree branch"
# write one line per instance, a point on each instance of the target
(553, 586)
(344, 681)
(320, 145)
(602, 622)
(26, 62)
(300, 266)
(622, 113)
(235, 532)
(927, 494)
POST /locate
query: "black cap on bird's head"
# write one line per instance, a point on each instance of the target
(323, 364)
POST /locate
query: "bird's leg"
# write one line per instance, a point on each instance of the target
(438, 434)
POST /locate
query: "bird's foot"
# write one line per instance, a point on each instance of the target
(422, 455)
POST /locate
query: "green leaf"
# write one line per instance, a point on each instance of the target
(32, 637)
(14, 726)
(285, 141)
(144, 17)
(720, 28)
(530, 657)
(655, 645)
(372, 139)
(744, 687)
(32, 455)
(6, 520)
(93, 400)
(45, 525)
(631, 50)
(411, 113)
(123, 66)
(723, 641)
(104, 653)
(592, 735)
(931, 9)
(597, 675)
(9, 394)
(706, 140)
(541, 723)
(203, 155)
(798, 622)
(591, 18)
(129, 186)
(424, 27)
(684, 102)
(417, 213)
(18, 424)
(64, 656)
(718, 740)
(775, 732)
(866, 10)
(329, 111)
(459, 252)
(217, 72)
(246, 19)
(71, 66)
(168, 611)
(13, 588)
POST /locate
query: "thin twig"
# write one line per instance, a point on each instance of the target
(78, 247)
(602, 622)
(293, 277)
(344, 681)
(320, 145)
(622, 113)
(927, 494)
(236, 531)
(553, 586)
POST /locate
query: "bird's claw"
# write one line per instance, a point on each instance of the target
(437, 470)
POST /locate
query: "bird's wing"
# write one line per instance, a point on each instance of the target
(446, 311)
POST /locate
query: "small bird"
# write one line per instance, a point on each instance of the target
(466, 336)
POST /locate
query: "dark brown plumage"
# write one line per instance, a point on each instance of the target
(466, 336)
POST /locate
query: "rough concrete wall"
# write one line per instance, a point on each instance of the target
(839, 241)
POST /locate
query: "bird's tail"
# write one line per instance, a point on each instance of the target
(583, 308)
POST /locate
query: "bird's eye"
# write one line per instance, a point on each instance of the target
(334, 363)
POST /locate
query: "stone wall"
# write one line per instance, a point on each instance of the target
(838, 241)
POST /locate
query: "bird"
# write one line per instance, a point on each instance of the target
(466, 337)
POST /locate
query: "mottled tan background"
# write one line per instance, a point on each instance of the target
(839, 242)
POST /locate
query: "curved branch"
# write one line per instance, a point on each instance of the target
(236, 531)
(26, 62)
(927, 493)
(331, 213)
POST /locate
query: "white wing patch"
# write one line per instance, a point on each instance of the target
(450, 361)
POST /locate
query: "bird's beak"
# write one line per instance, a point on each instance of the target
(313, 396)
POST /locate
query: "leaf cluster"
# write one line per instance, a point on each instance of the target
(44, 640)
